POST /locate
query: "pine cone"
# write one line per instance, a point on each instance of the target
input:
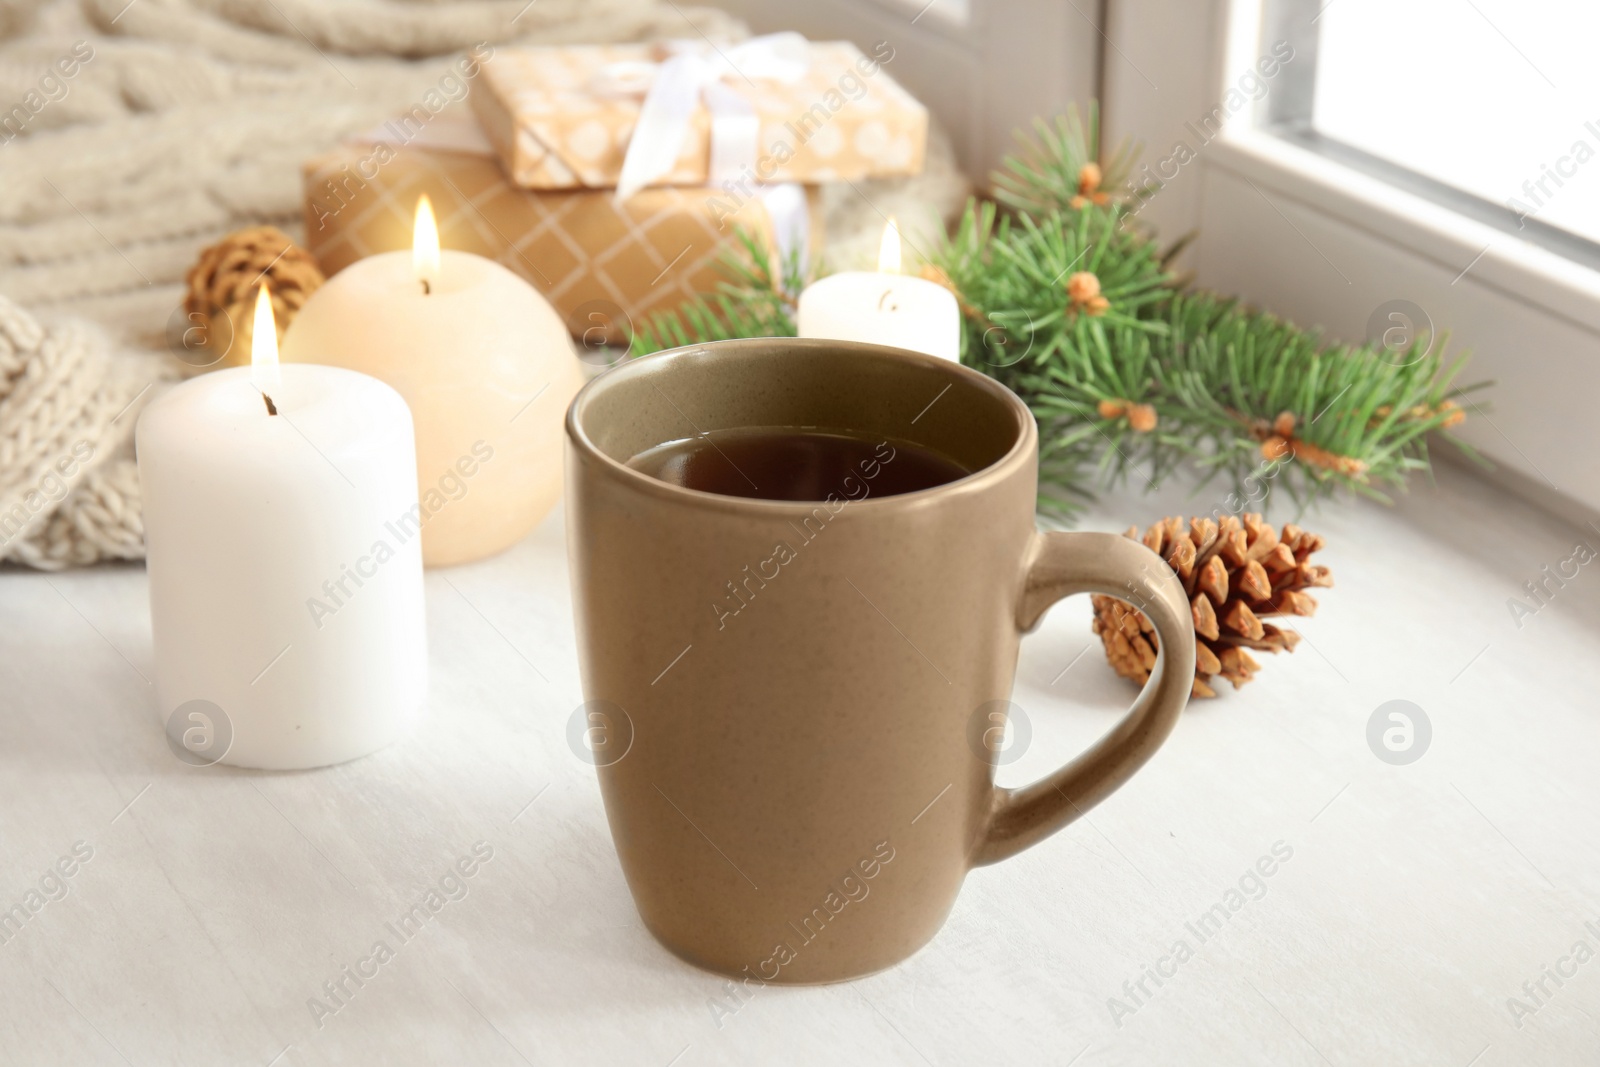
(224, 281)
(1235, 573)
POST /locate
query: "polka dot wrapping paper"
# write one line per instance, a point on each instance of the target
(558, 119)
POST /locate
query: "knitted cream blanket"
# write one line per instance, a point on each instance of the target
(135, 132)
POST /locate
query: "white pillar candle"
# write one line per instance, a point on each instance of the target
(285, 562)
(883, 307)
(485, 364)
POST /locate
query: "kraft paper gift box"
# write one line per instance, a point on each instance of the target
(605, 266)
(777, 108)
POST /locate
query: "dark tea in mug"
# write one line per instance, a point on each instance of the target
(795, 463)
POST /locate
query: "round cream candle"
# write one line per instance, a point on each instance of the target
(281, 530)
(486, 366)
(882, 307)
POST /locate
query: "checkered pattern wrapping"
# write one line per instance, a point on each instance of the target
(602, 265)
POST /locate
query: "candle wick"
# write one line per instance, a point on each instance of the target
(426, 288)
(272, 409)
(887, 293)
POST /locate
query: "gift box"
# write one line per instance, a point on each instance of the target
(772, 109)
(603, 265)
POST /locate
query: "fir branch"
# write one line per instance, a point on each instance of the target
(1129, 377)
(1051, 171)
(1240, 377)
(1021, 270)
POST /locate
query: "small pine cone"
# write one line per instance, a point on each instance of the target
(1237, 572)
(1089, 192)
(1142, 418)
(225, 278)
(1083, 294)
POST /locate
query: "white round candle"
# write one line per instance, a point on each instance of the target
(285, 563)
(485, 364)
(882, 307)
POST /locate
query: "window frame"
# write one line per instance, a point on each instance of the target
(1319, 239)
(1288, 113)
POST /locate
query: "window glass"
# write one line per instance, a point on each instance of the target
(1496, 98)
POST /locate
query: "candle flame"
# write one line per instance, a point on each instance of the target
(425, 246)
(264, 345)
(889, 251)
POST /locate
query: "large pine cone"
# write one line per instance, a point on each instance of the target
(224, 282)
(1236, 573)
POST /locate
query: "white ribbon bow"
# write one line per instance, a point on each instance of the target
(677, 86)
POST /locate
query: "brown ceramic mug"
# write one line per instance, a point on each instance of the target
(794, 791)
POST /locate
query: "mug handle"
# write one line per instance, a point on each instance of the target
(1060, 565)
